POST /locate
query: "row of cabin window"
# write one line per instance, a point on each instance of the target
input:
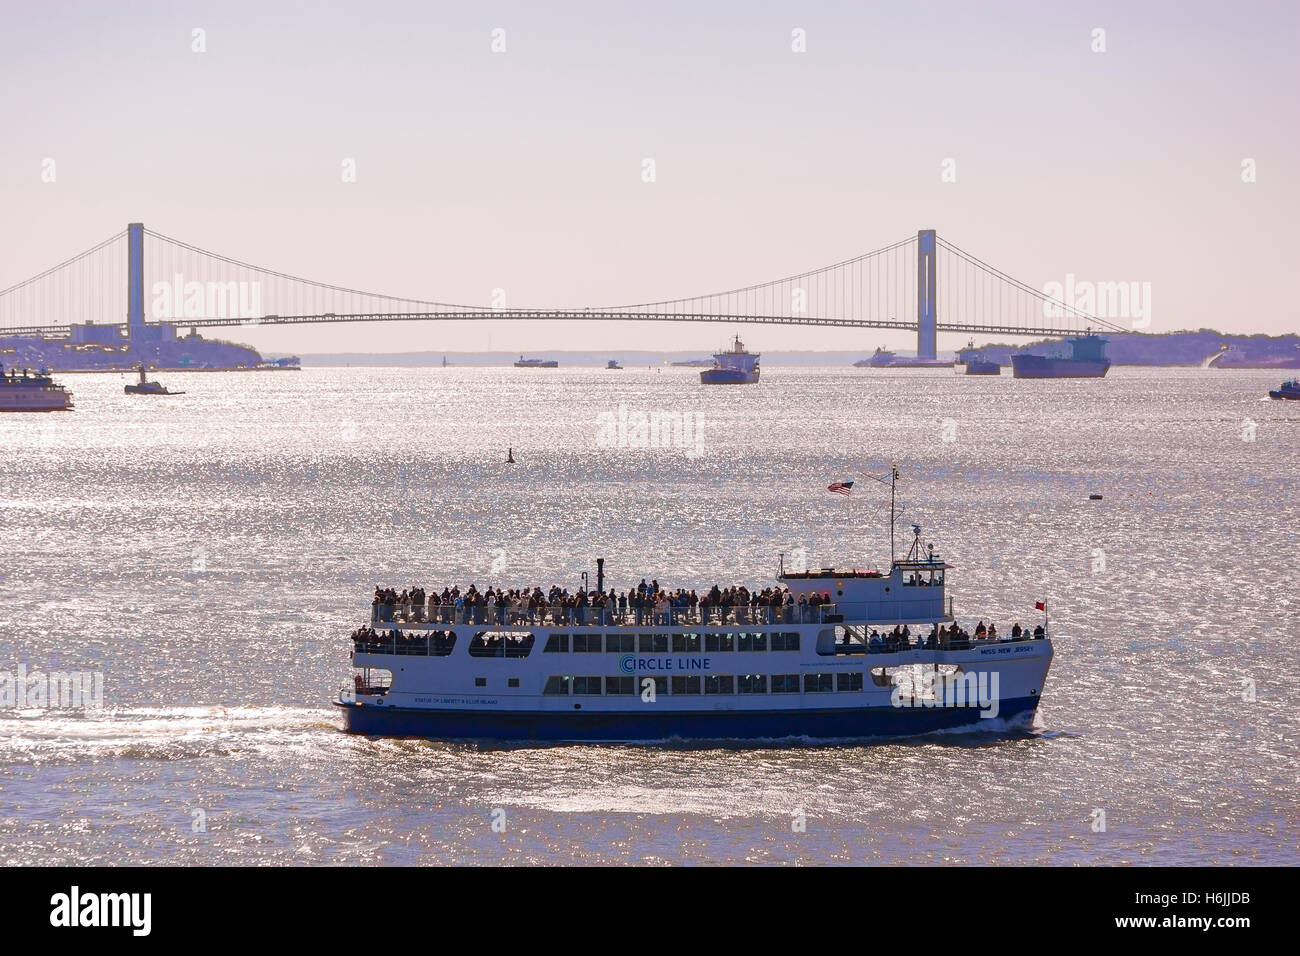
(671, 643)
(563, 685)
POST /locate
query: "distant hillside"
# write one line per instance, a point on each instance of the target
(1125, 348)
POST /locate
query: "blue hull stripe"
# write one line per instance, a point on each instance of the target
(856, 723)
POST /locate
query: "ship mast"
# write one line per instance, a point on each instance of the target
(893, 481)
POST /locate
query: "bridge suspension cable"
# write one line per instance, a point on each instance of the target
(187, 285)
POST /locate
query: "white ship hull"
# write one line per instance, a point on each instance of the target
(747, 673)
(14, 399)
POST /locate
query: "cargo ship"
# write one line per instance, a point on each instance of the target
(1087, 359)
(28, 392)
(734, 367)
(536, 363)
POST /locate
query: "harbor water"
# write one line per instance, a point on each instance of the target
(206, 556)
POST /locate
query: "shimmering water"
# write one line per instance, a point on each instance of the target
(209, 554)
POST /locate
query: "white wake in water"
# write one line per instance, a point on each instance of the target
(164, 733)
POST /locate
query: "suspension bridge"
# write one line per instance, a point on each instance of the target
(921, 283)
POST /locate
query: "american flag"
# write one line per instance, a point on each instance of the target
(841, 487)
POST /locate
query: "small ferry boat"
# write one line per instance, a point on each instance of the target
(147, 387)
(28, 392)
(733, 367)
(826, 654)
(1087, 359)
(1288, 389)
(536, 363)
(613, 364)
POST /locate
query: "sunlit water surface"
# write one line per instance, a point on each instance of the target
(209, 553)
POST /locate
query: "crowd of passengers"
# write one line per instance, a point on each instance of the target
(953, 636)
(438, 643)
(644, 604)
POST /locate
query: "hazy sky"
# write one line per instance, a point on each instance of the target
(523, 169)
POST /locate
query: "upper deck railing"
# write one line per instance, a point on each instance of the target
(713, 616)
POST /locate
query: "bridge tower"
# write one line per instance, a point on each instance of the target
(135, 279)
(926, 306)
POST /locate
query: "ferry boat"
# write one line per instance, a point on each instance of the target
(1288, 389)
(733, 367)
(837, 658)
(536, 363)
(1087, 359)
(32, 392)
(147, 387)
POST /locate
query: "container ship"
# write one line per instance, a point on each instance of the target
(1087, 359)
(733, 367)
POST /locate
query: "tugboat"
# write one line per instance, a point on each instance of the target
(981, 366)
(816, 655)
(536, 363)
(146, 387)
(976, 363)
(1087, 359)
(1289, 389)
(736, 367)
(27, 392)
(613, 364)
